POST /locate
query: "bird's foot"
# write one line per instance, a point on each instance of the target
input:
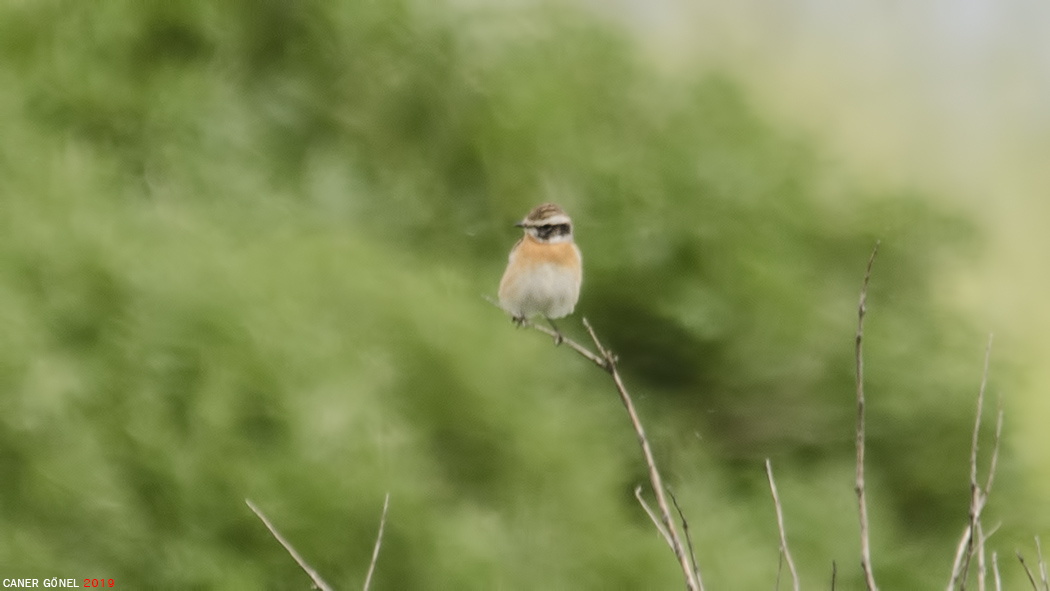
(558, 339)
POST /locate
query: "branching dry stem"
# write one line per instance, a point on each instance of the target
(972, 540)
(607, 361)
(693, 581)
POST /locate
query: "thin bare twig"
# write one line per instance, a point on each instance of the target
(693, 581)
(316, 578)
(981, 569)
(980, 409)
(1027, 570)
(960, 555)
(995, 569)
(685, 528)
(862, 502)
(379, 541)
(834, 574)
(1042, 564)
(992, 532)
(780, 526)
(653, 516)
(995, 450)
(972, 541)
(976, 495)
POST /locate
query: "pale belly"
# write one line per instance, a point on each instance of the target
(550, 290)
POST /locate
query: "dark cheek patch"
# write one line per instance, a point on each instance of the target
(547, 231)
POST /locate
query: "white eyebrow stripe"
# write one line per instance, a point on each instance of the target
(554, 220)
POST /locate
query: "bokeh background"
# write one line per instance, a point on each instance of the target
(244, 247)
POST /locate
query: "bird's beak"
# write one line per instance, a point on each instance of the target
(519, 225)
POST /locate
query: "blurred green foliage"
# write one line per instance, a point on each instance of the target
(243, 245)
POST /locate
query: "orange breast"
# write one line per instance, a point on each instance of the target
(531, 252)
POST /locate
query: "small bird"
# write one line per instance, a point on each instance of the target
(545, 269)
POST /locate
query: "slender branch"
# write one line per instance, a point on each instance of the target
(652, 515)
(960, 554)
(980, 409)
(607, 361)
(981, 569)
(972, 541)
(379, 541)
(976, 496)
(316, 578)
(1042, 564)
(982, 538)
(685, 528)
(587, 353)
(995, 450)
(780, 526)
(862, 502)
(992, 533)
(1027, 571)
(995, 569)
(693, 581)
(834, 574)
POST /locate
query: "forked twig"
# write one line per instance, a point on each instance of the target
(693, 581)
(316, 578)
(972, 541)
(780, 525)
(978, 498)
(862, 502)
(607, 361)
(379, 541)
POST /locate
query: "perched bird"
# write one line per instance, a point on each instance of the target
(544, 272)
